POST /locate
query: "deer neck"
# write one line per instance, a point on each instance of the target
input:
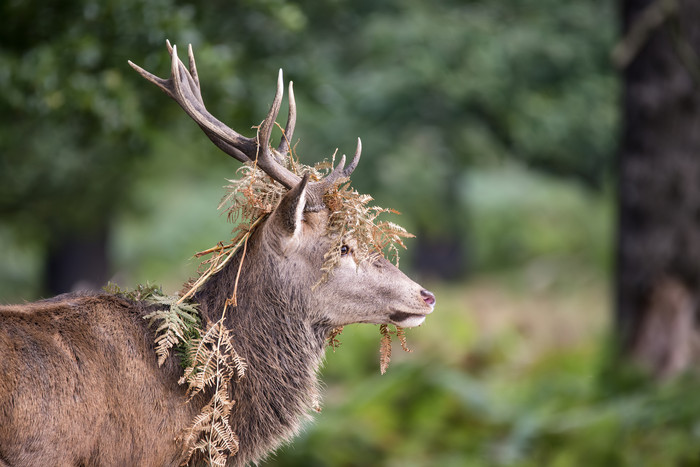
(282, 348)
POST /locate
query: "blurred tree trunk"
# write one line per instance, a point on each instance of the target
(77, 261)
(441, 258)
(658, 263)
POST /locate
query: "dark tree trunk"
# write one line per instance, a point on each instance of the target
(440, 258)
(77, 261)
(658, 264)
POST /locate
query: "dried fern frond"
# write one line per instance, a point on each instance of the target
(210, 432)
(332, 339)
(214, 364)
(251, 196)
(352, 216)
(213, 359)
(385, 345)
(384, 348)
(211, 362)
(222, 254)
(401, 334)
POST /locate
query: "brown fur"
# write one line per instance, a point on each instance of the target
(78, 378)
(79, 382)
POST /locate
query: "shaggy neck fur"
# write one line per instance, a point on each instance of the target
(283, 349)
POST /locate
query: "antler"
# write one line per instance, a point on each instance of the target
(183, 86)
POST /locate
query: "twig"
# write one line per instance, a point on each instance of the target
(219, 247)
(216, 266)
(641, 29)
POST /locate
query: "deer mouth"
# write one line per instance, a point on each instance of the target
(407, 320)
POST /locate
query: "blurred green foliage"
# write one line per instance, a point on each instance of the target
(72, 123)
(524, 217)
(436, 90)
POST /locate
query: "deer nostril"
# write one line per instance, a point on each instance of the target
(428, 297)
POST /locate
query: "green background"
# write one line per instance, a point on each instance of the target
(491, 125)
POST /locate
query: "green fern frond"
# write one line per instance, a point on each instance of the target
(177, 323)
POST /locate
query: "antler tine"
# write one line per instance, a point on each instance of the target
(340, 171)
(355, 160)
(264, 157)
(160, 82)
(193, 72)
(192, 76)
(195, 89)
(265, 129)
(286, 139)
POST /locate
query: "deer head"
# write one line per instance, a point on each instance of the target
(369, 291)
(295, 236)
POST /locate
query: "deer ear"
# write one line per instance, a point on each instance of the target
(289, 215)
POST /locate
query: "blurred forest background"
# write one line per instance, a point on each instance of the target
(493, 126)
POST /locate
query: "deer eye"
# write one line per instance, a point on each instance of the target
(344, 250)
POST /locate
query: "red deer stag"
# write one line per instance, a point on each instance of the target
(79, 380)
